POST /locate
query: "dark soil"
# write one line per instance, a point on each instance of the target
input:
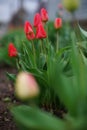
(6, 99)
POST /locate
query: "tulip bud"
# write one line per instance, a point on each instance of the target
(37, 19)
(26, 86)
(44, 15)
(58, 23)
(71, 5)
(40, 32)
(12, 51)
(29, 31)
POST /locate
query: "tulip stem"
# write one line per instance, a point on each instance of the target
(17, 63)
(41, 46)
(47, 30)
(43, 50)
(48, 43)
(57, 42)
(47, 35)
(33, 48)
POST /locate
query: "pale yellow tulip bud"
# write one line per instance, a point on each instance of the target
(71, 5)
(26, 86)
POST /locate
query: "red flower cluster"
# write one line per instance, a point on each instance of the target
(12, 51)
(38, 24)
(58, 23)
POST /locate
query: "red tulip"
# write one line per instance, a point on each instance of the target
(37, 19)
(30, 36)
(40, 32)
(29, 31)
(44, 15)
(12, 51)
(28, 27)
(58, 23)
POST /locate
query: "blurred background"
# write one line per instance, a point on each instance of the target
(13, 13)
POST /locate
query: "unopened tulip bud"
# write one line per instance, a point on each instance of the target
(71, 5)
(44, 15)
(12, 51)
(37, 19)
(26, 86)
(40, 32)
(58, 23)
(29, 31)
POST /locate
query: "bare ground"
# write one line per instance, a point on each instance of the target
(6, 99)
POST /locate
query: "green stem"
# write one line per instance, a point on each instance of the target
(17, 63)
(41, 47)
(47, 30)
(33, 48)
(44, 49)
(47, 36)
(57, 42)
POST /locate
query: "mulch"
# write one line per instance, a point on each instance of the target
(7, 98)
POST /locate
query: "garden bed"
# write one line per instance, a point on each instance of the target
(6, 99)
(49, 79)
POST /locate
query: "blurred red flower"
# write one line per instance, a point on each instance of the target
(44, 15)
(12, 51)
(29, 31)
(28, 27)
(37, 19)
(58, 23)
(40, 32)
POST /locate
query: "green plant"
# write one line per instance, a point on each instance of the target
(72, 91)
(17, 37)
(61, 74)
(37, 57)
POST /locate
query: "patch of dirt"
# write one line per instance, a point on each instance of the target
(6, 99)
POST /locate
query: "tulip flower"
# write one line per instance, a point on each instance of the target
(40, 32)
(37, 19)
(27, 27)
(30, 36)
(44, 15)
(12, 51)
(58, 23)
(26, 86)
(29, 31)
(71, 5)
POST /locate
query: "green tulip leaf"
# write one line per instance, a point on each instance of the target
(83, 31)
(35, 119)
